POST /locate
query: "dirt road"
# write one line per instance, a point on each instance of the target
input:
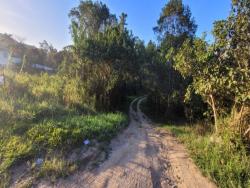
(144, 157)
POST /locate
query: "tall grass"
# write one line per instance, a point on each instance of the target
(223, 157)
(44, 113)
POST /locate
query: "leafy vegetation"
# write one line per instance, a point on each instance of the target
(63, 135)
(56, 167)
(88, 91)
(35, 116)
(190, 79)
(202, 78)
(224, 161)
(44, 112)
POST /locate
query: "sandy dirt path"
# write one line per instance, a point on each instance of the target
(142, 157)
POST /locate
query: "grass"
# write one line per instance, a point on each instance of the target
(56, 167)
(223, 158)
(41, 116)
(74, 129)
(65, 134)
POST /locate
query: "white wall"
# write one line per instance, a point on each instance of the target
(4, 58)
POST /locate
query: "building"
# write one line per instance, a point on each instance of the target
(4, 58)
(15, 60)
(42, 68)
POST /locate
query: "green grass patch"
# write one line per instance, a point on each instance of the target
(47, 116)
(74, 129)
(60, 135)
(56, 167)
(222, 158)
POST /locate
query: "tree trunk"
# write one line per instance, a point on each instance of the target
(23, 62)
(240, 118)
(214, 112)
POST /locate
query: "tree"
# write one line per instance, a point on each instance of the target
(174, 26)
(175, 19)
(89, 18)
(220, 72)
(232, 48)
(196, 60)
(105, 54)
(49, 54)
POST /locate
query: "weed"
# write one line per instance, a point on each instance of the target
(222, 158)
(56, 167)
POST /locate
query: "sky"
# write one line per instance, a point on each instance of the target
(36, 20)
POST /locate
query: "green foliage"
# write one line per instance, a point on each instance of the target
(106, 55)
(176, 20)
(173, 27)
(90, 18)
(224, 159)
(13, 149)
(56, 167)
(73, 130)
(165, 85)
(45, 112)
(65, 134)
(220, 72)
(42, 113)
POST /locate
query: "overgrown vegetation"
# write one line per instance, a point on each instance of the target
(189, 79)
(86, 94)
(41, 139)
(46, 112)
(202, 78)
(225, 162)
(36, 120)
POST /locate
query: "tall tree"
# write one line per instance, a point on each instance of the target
(174, 26)
(221, 72)
(91, 17)
(175, 20)
(106, 54)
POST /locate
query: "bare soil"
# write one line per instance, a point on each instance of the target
(142, 156)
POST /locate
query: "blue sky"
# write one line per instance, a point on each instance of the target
(38, 20)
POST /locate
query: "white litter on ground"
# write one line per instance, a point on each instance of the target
(86, 142)
(39, 161)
